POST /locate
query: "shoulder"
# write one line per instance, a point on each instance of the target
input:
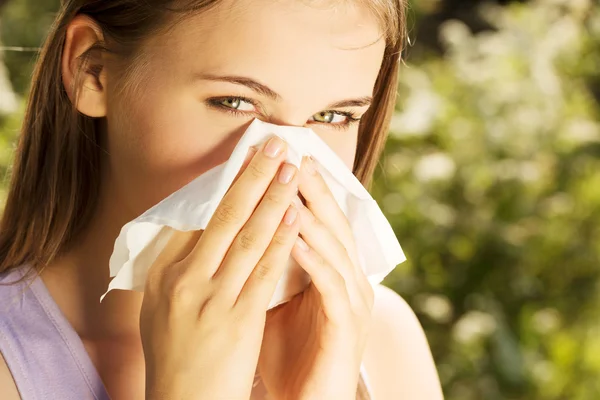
(11, 286)
(397, 358)
(7, 384)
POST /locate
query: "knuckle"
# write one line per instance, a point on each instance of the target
(271, 197)
(256, 171)
(158, 277)
(262, 271)
(181, 294)
(280, 239)
(225, 214)
(320, 262)
(338, 280)
(247, 240)
(165, 278)
(153, 281)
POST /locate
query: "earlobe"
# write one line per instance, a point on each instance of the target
(83, 67)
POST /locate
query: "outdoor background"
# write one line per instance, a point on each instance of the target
(491, 180)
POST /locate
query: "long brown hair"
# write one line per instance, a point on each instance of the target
(56, 172)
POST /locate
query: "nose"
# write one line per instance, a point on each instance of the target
(289, 118)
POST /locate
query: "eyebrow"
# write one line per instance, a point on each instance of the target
(266, 91)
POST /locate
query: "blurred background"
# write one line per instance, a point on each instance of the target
(491, 180)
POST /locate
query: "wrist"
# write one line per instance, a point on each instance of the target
(157, 389)
(341, 394)
(341, 385)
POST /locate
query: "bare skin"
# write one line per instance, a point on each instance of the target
(161, 140)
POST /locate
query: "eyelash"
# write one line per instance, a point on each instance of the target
(351, 117)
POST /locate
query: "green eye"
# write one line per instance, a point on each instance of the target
(236, 103)
(325, 117)
(330, 117)
(231, 103)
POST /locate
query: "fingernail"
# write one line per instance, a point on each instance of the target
(302, 244)
(274, 147)
(287, 173)
(290, 215)
(310, 166)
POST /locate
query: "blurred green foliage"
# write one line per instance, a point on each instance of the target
(24, 23)
(491, 180)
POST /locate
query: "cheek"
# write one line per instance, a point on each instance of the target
(159, 145)
(343, 144)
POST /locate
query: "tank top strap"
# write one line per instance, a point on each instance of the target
(44, 354)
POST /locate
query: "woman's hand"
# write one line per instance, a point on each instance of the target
(313, 345)
(206, 295)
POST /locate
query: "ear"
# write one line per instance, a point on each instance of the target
(84, 71)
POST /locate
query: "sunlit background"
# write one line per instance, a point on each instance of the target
(491, 179)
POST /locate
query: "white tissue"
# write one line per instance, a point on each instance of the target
(191, 207)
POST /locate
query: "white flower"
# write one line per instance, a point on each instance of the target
(419, 114)
(437, 307)
(437, 166)
(546, 320)
(580, 131)
(473, 326)
(543, 371)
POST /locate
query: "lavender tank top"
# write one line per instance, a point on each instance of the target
(45, 355)
(43, 352)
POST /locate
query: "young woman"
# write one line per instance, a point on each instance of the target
(131, 100)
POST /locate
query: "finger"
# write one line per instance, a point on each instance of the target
(181, 243)
(330, 284)
(262, 282)
(252, 241)
(251, 153)
(178, 246)
(322, 204)
(322, 240)
(238, 204)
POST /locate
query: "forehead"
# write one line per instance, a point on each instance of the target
(290, 45)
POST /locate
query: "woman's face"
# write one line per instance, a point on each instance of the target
(286, 62)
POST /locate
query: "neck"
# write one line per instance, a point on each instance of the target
(78, 279)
